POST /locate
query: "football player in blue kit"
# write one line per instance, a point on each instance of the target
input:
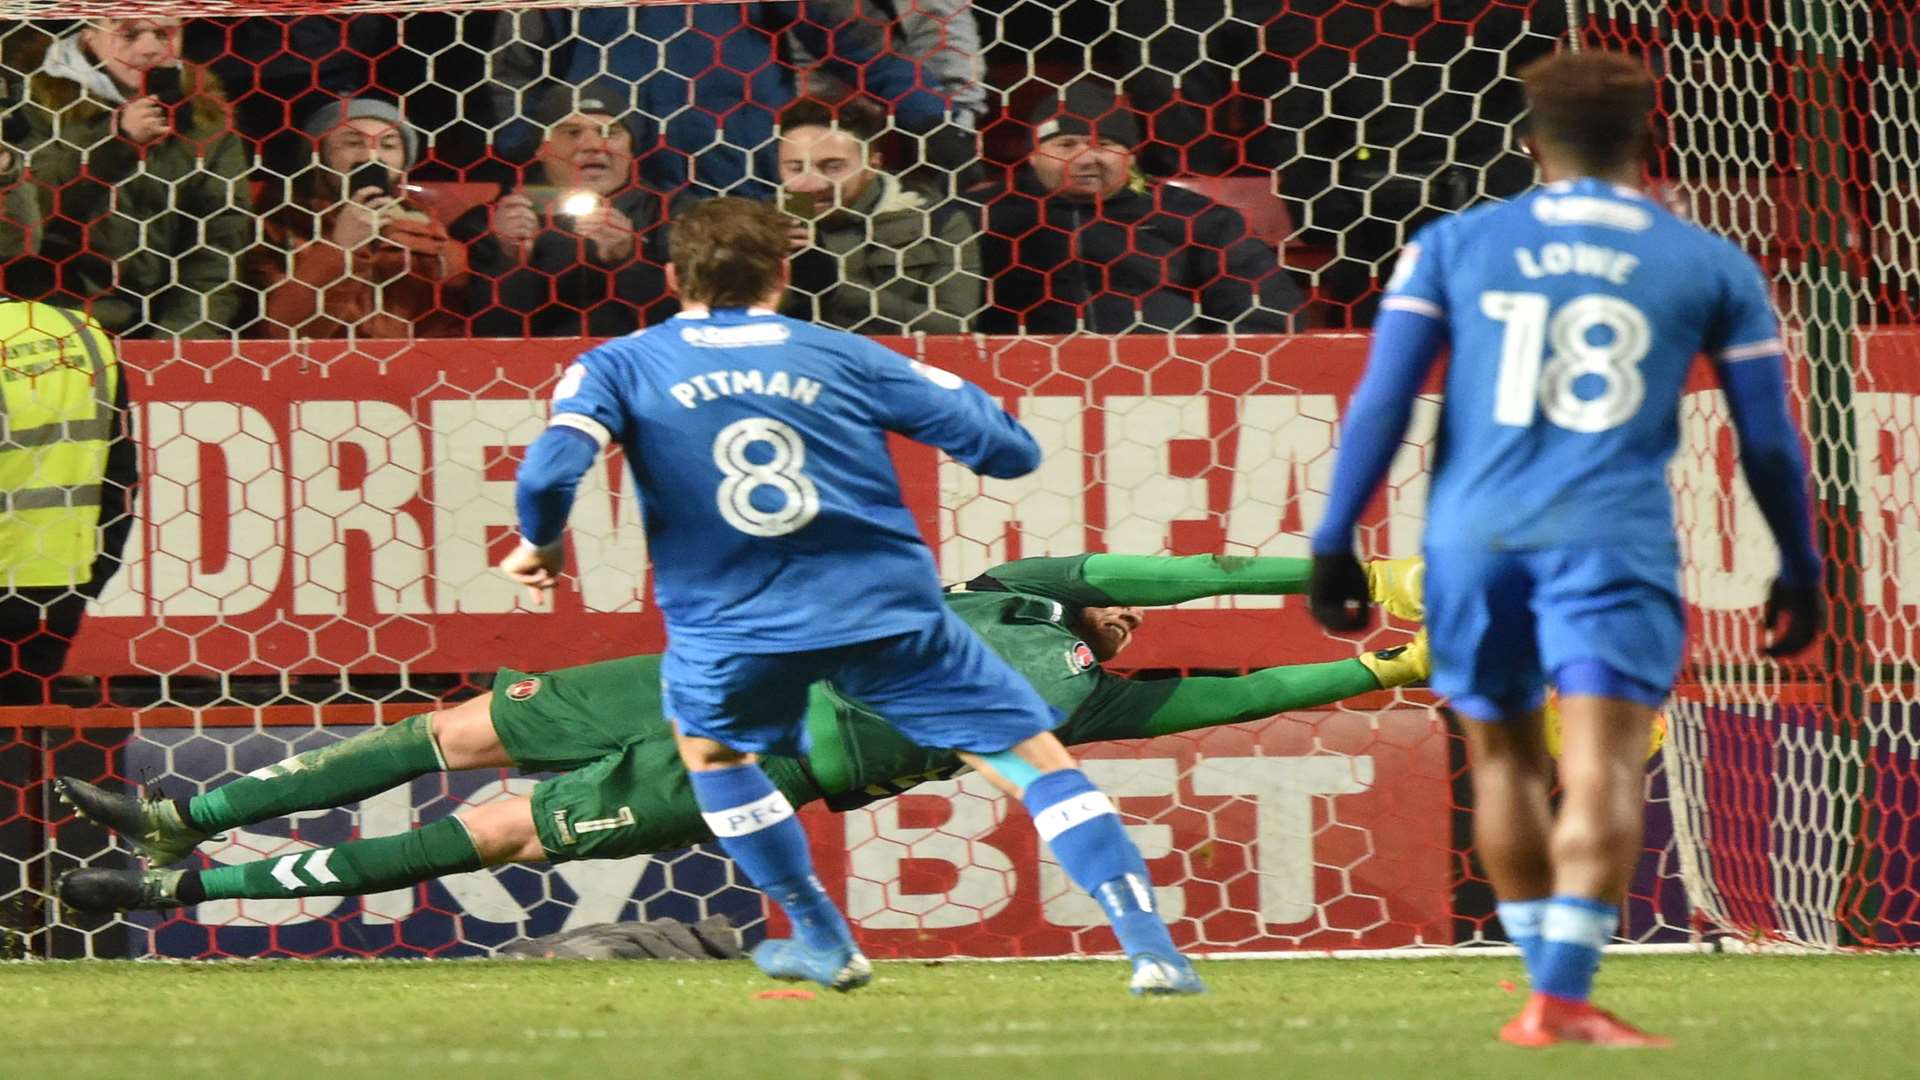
(783, 554)
(1572, 315)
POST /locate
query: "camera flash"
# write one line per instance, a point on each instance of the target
(579, 203)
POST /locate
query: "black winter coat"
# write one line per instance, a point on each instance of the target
(1151, 259)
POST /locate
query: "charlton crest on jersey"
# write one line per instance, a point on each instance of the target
(523, 689)
(1080, 657)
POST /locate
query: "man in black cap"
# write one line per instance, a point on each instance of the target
(1082, 240)
(578, 251)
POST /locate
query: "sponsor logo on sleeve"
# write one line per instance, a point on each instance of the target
(1080, 657)
(523, 689)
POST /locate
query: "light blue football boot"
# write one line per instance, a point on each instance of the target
(1159, 975)
(841, 969)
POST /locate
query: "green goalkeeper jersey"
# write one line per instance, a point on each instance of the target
(1026, 611)
(857, 757)
(602, 724)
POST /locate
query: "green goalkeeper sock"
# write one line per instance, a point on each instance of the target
(345, 772)
(351, 869)
(1150, 580)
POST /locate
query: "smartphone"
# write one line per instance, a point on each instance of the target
(578, 203)
(164, 83)
(545, 197)
(372, 174)
(799, 204)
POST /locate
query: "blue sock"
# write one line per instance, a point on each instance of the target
(1521, 919)
(1078, 822)
(756, 828)
(1572, 932)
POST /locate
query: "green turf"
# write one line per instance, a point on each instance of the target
(1353, 1019)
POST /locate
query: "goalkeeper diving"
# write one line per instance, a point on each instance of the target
(622, 789)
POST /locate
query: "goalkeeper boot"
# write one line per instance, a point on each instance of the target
(1395, 584)
(1159, 975)
(1547, 1020)
(1402, 665)
(842, 969)
(92, 888)
(152, 825)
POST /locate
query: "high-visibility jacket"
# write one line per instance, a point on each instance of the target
(59, 380)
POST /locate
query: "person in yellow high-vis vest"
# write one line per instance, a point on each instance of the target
(67, 472)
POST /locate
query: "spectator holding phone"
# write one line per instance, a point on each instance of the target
(352, 254)
(142, 181)
(869, 255)
(579, 250)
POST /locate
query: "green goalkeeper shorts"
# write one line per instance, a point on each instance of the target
(567, 718)
(622, 790)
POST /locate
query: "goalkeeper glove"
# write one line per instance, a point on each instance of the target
(1804, 612)
(1337, 592)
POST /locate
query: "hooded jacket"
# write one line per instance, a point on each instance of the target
(149, 238)
(889, 265)
(1150, 258)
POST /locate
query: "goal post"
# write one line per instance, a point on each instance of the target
(321, 503)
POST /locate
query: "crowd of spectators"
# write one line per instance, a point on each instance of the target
(309, 205)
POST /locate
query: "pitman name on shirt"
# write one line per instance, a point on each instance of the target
(715, 385)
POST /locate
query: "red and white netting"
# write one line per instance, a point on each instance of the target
(328, 448)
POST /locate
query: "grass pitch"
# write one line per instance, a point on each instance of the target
(1733, 1016)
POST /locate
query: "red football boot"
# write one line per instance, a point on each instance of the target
(1547, 1020)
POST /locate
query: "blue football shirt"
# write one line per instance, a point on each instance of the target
(1573, 315)
(758, 446)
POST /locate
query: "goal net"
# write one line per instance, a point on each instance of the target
(329, 403)
(1789, 128)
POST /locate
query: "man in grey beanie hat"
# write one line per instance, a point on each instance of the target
(353, 252)
(336, 118)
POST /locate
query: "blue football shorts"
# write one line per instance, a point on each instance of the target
(1599, 620)
(940, 686)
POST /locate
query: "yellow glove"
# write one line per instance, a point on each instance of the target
(1396, 585)
(1655, 739)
